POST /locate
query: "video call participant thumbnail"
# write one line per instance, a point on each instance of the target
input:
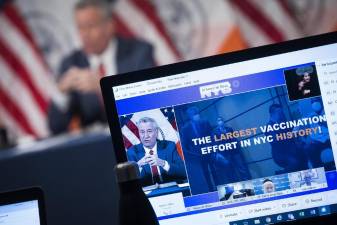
(308, 179)
(302, 82)
(268, 186)
(236, 191)
(158, 160)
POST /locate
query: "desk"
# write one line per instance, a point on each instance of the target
(75, 172)
(169, 190)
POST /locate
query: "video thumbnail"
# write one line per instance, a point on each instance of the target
(151, 140)
(302, 82)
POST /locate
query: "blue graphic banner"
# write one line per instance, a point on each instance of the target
(190, 94)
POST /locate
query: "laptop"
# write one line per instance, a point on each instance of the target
(22, 207)
(248, 137)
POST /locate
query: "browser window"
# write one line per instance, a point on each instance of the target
(253, 142)
(20, 213)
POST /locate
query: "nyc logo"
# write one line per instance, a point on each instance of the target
(215, 89)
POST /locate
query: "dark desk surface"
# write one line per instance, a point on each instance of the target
(75, 172)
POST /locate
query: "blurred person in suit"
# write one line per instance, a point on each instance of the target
(285, 153)
(200, 168)
(309, 180)
(102, 53)
(158, 160)
(231, 166)
(317, 146)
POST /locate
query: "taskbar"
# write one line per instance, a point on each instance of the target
(288, 216)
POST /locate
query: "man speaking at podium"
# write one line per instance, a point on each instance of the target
(103, 53)
(158, 160)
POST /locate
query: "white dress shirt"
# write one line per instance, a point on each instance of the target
(107, 58)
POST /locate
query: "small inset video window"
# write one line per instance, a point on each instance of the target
(236, 190)
(302, 82)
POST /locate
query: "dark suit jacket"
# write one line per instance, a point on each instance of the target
(131, 55)
(166, 150)
(199, 167)
(188, 132)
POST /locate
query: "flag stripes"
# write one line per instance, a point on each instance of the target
(150, 12)
(12, 61)
(25, 83)
(12, 14)
(260, 20)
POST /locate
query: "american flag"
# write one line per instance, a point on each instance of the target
(25, 82)
(178, 29)
(166, 122)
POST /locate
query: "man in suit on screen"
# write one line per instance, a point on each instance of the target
(231, 165)
(285, 153)
(158, 160)
(200, 168)
(102, 53)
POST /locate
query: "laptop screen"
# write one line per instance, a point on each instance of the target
(26, 212)
(252, 142)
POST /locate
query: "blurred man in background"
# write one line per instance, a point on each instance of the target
(102, 53)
